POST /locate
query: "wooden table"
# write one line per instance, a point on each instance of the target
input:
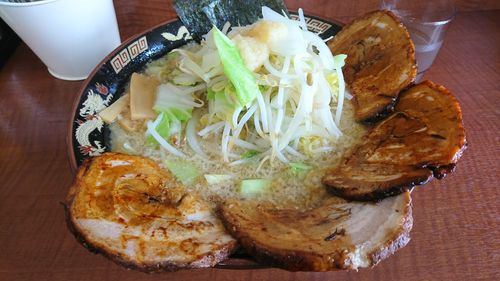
(456, 234)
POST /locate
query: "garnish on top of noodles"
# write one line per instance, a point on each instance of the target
(269, 89)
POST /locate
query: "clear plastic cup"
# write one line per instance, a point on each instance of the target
(70, 36)
(427, 22)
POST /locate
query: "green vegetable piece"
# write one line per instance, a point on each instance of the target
(163, 128)
(216, 179)
(253, 187)
(181, 114)
(238, 74)
(183, 171)
(249, 154)
(299, 169)
(223, 108)
(210, 94)
(339, 61)
(173, 113)
(168, 102)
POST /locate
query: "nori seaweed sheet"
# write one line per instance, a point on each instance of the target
(200, 15)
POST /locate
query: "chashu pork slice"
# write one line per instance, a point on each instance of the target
(135, 213)
(380, 62)
(425, 137)
(338, 234)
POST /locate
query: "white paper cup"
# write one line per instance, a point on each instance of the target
(70, 36)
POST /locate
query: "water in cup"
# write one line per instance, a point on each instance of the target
(426, 48)
(427, 22)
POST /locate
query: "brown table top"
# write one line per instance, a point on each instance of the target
(456, 233)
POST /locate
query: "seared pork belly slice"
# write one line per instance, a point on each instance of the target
(365, 181)
(443, 132)
(135, 213)
(380, 62)
(424, 137)
(336, 235)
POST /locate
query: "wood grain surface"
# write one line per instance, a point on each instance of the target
(456, 234)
